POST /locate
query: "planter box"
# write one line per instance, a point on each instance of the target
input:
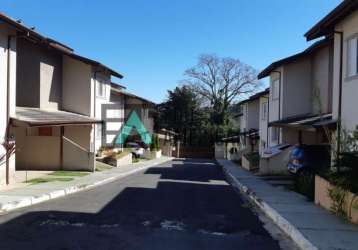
(245, 163)
(152, 154)
(125, 160)
(322, 198)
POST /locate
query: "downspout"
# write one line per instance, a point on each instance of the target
(267, 119)
(8, 150)
(339, 122)
(279, 102)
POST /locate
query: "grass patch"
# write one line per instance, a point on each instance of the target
(69, 173)
(46, 180)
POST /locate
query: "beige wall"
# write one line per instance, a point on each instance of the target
(349, 26)
(39, 76)
(76, 86)
(297, 88)
(4, 33)
(322, 66)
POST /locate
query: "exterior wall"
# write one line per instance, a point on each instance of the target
(349, 26)
(105, 78)
(39, 73)
(263, 130)
(4, 33)
(76, 82)
(35, 152)
(297, 88)
(322, 66)
(253, 116)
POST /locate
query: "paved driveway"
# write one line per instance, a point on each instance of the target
(177, 205)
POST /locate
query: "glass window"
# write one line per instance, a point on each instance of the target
(276, 89)
(274, 134)
(264, 111)
(99, 131)
(101, 88)
(352, 57)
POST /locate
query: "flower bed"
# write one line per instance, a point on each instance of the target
(336, 199)
(250, 161)
(119, 159)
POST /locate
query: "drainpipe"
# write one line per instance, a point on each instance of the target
(339, 122)
(267, 119)
(8, 150)
(279, 101)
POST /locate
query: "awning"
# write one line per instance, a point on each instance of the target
(305, 122)
(34, 117)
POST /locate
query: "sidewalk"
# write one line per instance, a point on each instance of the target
(310, 226)
(33, 194)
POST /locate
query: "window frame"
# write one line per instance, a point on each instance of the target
(264, 111)
(349, 56)
(100, 84)
(275, 88)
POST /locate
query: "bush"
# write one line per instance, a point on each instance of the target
(155, 146)
(304, 184)
(253, 158)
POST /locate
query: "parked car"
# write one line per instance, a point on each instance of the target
(135, 149)
(309, 158)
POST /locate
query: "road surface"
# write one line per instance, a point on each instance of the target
(178, 205)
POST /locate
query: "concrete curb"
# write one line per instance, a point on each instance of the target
(32, 200)
(278, 219)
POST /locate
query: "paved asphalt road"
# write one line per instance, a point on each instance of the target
(177, 205)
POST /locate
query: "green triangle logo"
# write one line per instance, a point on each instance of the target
(133, 122)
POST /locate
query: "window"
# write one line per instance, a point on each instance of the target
(101, 88)
(274, 134)
(352, 66)
(99, 131)
(275, 89)
(264, 111)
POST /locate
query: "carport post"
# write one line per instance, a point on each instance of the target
(62, 129)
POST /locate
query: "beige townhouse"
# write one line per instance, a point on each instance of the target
(253, 112)
(300, 101)
(50, 98)
(342, 24)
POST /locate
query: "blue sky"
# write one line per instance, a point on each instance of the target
(153, 42)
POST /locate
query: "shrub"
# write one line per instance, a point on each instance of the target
(304, 184)
(155, 146)
(253, 158)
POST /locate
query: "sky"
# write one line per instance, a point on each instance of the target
(153, 42)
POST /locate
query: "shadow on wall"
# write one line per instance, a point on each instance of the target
(174, 215)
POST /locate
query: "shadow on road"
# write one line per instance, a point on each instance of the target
(174, 215)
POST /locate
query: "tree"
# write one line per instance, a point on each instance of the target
(182, 112)
(221, 81)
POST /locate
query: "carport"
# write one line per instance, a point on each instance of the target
(52, 140)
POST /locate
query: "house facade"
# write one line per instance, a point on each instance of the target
(342, 24)
(300, 95)
(50, 107)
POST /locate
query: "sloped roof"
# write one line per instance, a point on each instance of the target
(62, 48)
(326, 25)
(317, 45)
(256, 96)
(34, 117)
(126, 93)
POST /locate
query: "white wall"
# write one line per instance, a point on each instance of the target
(349, 26)
(4, 32)
(253, 114)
